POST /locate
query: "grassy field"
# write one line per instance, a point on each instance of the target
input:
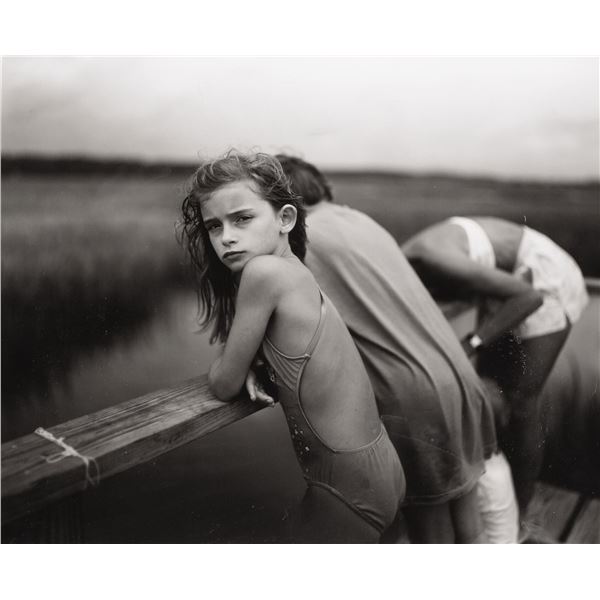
(87, 259)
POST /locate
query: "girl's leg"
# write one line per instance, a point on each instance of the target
(521, 368)
(456, 522)
(524, 437)
(430, 524)
(466, 519)
(322, 518)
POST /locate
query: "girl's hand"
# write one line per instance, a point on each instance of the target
(256, 390)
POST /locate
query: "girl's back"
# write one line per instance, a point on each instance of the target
(317, 365)
(505, 238)
(343, 450)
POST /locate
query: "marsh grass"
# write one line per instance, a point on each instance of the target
(85, 262)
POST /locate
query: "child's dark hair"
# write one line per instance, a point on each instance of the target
(215, 283)
(307, 181)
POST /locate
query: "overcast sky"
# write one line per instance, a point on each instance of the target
(510, 117)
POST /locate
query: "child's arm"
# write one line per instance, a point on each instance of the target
(257, 298)
(512, 312)
(460, 271)
(256, 390)
(519, 298)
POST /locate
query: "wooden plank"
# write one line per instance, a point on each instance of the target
(587, 526)
(549, 515)
(116, 438)
(592, 284)
(549, 511)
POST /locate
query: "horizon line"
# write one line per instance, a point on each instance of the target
(73, 163)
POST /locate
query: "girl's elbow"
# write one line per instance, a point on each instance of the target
(222, 388)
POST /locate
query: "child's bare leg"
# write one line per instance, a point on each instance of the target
(521, 369)
(429, 524)
(466, 519)
(523, 439)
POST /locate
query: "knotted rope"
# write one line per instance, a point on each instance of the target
(70, 451)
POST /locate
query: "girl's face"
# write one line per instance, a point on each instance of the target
(242, 225)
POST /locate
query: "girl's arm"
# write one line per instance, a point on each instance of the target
(459, 271)
(519, 298)
(257, 298)
(509, 315)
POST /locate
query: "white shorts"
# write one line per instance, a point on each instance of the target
(557, 276)
(498, 502)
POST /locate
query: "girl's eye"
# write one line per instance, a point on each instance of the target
(243, 219)
(213, 227)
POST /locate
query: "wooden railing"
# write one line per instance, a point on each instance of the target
(118, 438)
(110, 441)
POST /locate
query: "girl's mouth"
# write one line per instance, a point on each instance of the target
(232, 255)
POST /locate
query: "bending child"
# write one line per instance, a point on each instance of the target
(515, 270)
(245, 232)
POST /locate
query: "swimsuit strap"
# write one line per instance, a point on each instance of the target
(317, 335)
(289, 368)
(314, 340)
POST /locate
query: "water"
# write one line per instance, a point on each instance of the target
(233, 485)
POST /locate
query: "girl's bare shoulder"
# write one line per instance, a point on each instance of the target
(272, 273)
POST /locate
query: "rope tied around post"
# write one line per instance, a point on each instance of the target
(70, 451)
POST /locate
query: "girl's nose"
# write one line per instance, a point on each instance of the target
(228, 235)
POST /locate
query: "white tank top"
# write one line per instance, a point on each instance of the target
(481, 250)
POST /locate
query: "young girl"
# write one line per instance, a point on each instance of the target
(515, 270)
(245, 232)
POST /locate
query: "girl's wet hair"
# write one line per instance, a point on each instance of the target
(216, 285)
